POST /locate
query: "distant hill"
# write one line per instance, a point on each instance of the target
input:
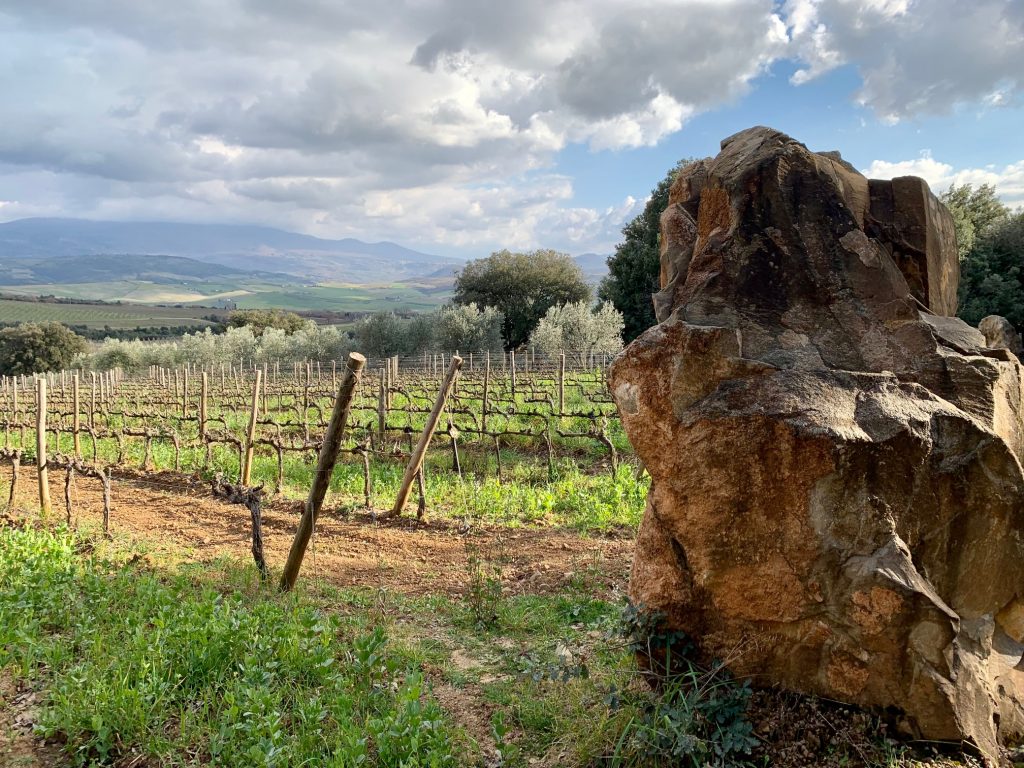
(594, 265)
(243, 247)
(166, 262)
(161, 270)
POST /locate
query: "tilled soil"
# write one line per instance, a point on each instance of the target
(177, 517)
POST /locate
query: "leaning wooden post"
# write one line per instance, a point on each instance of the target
(250, 436)
(324, 469)
(76, 423)
(44, 485)
(416, 460)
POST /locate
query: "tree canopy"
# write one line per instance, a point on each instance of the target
(991, 245)
(261, 319)
(37, 348)
(634, 267)
(523, 287)
(992, 273)
(974, 211)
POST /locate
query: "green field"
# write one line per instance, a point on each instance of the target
(417, 296)
(348, 297)
(141, 291)
(101, 315)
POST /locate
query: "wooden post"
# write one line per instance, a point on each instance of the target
(416, 460)
(512, 370)
(203, 392)
(382, 406)
(487, 381)
(325, 468)
(184, 392)
(105, 477)
(44, 485)
(92, 403)
(14, 411)
(250, 436)
(266, 386)
(68, 479)
(561, 384)
(76, 421)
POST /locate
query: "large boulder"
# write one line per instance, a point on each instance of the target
(1000, 334)
(837, 502)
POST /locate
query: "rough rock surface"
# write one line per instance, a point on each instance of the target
(1000, 334)
(837, 500)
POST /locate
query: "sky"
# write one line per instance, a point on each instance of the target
(460, 127)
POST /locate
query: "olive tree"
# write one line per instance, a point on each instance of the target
(468, 328)
(579, 331)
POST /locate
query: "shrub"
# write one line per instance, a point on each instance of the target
(694, 715)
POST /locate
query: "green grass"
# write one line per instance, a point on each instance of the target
(188, 672)
(588, 502)
(100, 315)
(201, 665)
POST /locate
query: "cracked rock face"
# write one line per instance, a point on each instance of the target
(837, 498)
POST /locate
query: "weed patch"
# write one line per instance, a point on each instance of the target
(151, 664)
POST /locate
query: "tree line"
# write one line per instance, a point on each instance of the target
(540, 298)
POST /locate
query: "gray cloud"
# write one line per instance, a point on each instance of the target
(426, 120)
(916, 56)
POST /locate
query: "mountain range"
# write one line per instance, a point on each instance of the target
(199, 263)
(246, 248)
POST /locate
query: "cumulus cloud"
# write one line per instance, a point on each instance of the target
(1008, 180)
(915, 56)
(427, 121)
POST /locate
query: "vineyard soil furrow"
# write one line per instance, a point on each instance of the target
(178, 520)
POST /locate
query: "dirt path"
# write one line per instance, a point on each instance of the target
(19, 748)
(176, 518)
